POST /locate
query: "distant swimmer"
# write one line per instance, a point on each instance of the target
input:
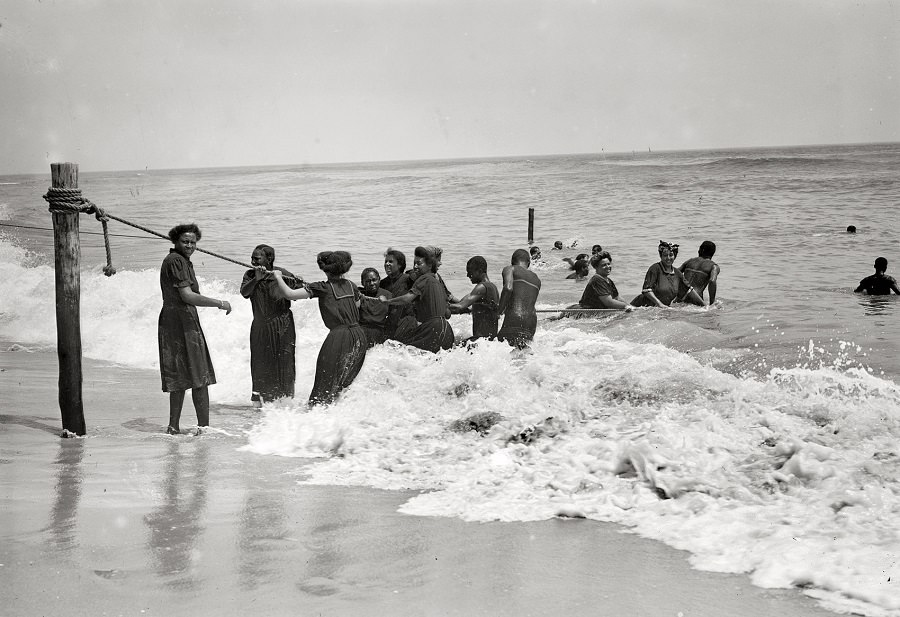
(483, 300)
(700, 272)
(535, 252)
(663, 279)
(851, 229)
(878, 284)
(580, 270)
(557, 246)
(520, 291)
(596, 249)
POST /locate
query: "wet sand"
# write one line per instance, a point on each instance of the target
(130, 521)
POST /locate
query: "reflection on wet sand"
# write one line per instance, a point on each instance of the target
(64, 515)
(177, 523)
(261, 533)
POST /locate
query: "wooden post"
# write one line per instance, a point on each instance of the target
(530, 225)
(67, 259)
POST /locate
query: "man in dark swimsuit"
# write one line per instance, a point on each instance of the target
(700, 272)
(520, 291)
(484, 300)
(878, 284)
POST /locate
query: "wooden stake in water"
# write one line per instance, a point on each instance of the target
(67, 260)
(530, 225)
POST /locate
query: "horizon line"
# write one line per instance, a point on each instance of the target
(460, 158)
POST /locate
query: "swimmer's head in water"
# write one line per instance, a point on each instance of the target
(668, 246)
(880, 264)
(520, 256)
(851, 229)
(596, 249)
(581, 267)
(558, 245)
(535, 252)
(707, 249)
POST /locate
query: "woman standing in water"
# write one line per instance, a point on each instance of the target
(663, 279)
(272, 333)
(344, 349)
(184, 362)
(373, 315)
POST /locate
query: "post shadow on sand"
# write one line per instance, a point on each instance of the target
(67, 495)
(262, 531)
(176, 524)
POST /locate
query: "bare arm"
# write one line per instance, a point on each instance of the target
(287, 292)
(713, 277)
(506, 292)
(195, 299)
(476, 295)
(249, 282)
(613, 303)
(407, 298)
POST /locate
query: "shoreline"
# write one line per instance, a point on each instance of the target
(131, 521)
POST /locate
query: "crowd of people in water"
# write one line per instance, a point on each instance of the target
(411, 306)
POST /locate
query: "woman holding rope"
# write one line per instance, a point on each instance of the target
(601, 292)
(184, 362)
(344, 349)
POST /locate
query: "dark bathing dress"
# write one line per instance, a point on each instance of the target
(429, 329)
(344, 349)
(664, 285)
(596, 289)
(373, 317)
(184, 361)
(272, 336)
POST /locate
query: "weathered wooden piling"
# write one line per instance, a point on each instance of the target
(67, 259)
(530, 225)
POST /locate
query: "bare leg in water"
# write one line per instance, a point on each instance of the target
(200, 396)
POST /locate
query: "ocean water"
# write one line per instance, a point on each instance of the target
(760, 434)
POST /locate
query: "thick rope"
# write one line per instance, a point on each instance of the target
(70, 200)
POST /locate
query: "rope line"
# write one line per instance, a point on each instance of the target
(70, 200)
(81, 231)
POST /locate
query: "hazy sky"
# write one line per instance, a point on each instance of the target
(181, 83)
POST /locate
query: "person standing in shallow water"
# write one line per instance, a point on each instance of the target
(272, 333)
(517, 299)
(484, 300)
(343, 351)
(184, 362)
(878, 284)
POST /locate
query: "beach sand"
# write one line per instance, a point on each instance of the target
(129, 521)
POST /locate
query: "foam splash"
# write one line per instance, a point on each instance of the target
(792, 478)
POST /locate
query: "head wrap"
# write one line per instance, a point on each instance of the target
(667, 245)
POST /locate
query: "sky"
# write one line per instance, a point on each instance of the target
(127, 85)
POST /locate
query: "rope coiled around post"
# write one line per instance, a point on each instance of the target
(70, 200)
